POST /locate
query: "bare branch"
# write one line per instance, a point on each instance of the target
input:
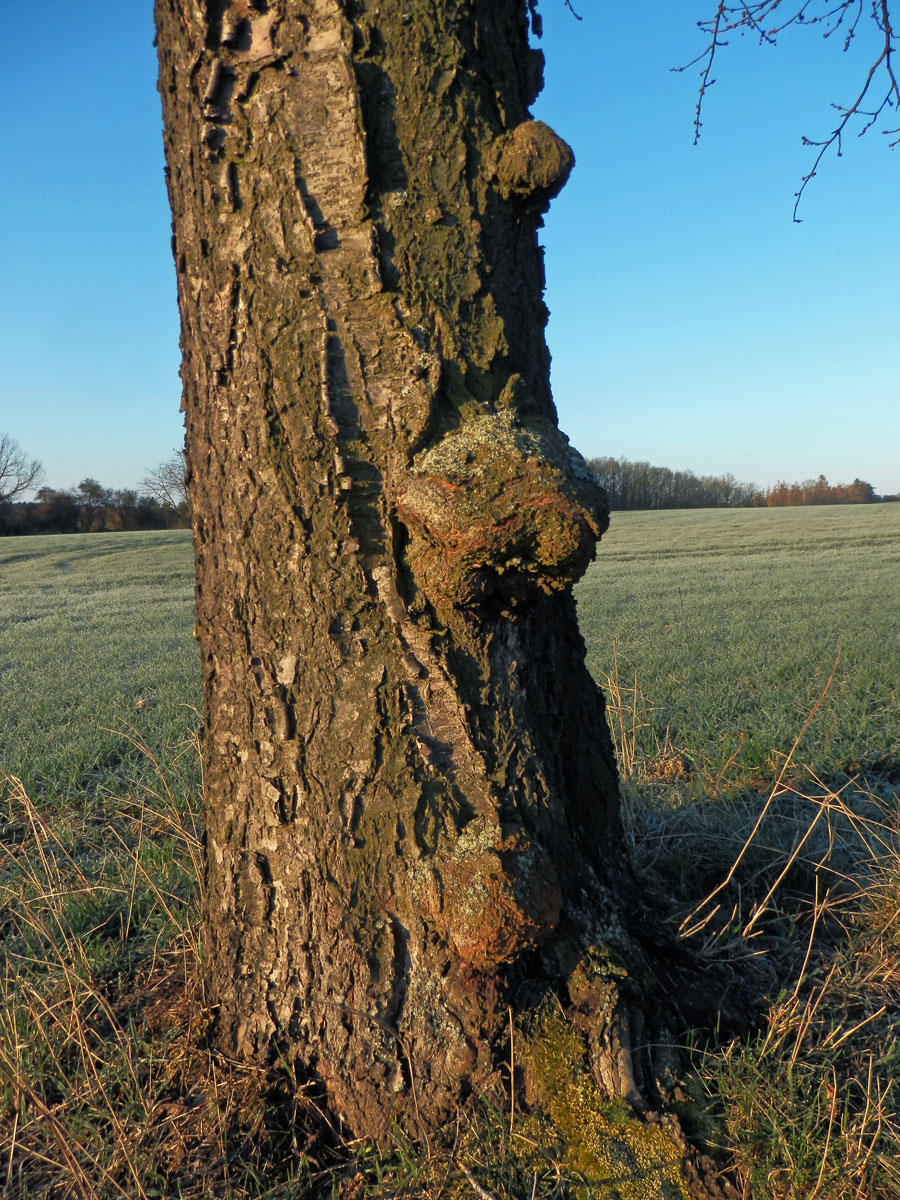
(891, 97)
(17, 474)
(167, 484)
(767, 19)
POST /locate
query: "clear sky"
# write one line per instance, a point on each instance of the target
(693, 323)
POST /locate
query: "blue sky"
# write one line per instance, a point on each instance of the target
(693, 323)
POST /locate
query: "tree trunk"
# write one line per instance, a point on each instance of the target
(410, 792)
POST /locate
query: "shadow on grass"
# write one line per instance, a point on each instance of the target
(793, 893)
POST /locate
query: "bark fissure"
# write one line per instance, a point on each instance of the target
(410, 790)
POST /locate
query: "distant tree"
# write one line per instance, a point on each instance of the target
(93, 499)
(56, 511)
(857, 492)
(838, 19)
(128, 509)
(167, 484)
(18, 474)
(92, 492)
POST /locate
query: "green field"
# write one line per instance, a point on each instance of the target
(723, 626)
(95, 649)
(729, 622)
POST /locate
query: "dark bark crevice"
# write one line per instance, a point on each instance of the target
(411, 801)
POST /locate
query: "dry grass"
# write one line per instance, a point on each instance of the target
(797, 887)
(108, 1088)
(810, 1103)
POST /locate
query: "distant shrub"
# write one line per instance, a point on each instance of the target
(820, 491)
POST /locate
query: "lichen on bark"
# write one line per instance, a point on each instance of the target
(410, 791)
(532, 164)
(500, 504)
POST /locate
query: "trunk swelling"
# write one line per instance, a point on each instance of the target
(410, 794)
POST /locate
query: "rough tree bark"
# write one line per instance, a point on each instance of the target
(410, 791)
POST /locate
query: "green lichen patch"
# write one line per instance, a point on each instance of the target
(616, 1155)
(500, 497)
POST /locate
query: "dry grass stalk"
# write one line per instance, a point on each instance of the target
(774, 793)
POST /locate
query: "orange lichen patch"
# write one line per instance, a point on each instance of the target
(494, 901)
(500, 504)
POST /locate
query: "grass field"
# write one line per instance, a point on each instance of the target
(729, 623)
(95, 646)
(714, 632)
(716, 629)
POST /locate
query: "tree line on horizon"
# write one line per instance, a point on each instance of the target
(639, 485)
(89, 508)
(161, 503)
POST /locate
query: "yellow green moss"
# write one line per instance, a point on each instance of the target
(617, 1156)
